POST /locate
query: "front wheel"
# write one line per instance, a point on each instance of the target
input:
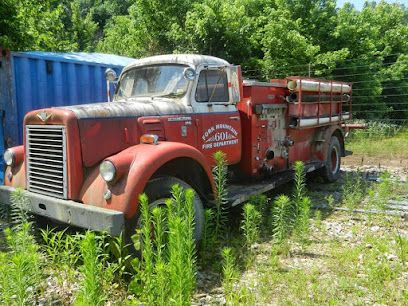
(331, 170)
(158, 191)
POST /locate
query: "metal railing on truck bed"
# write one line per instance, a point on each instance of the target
(314, 102)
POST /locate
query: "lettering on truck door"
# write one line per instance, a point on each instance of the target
(218, 122)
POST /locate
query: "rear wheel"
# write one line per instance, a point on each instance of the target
(331, 170)
(158, 191)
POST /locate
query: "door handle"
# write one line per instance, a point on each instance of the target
(234, 117)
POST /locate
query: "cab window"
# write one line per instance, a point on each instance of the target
(212, 86)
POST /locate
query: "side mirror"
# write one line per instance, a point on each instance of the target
(235, 79)
(110, 75)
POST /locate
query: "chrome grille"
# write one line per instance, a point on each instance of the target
(46, 160)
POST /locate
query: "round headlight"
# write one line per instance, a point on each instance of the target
(9, 157)
(107, 170)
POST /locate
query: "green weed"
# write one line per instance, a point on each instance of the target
(60, 248)
(230, 274)
(235, 294)
(181, 246)
(220, 180)
(250, 224)
(19, 207)
(299, 188)
(166, 274)
(208, 237)
(281, 218)
(302, 227)
(261, 203)
(20, 268)
(91, 292)
(353, 191)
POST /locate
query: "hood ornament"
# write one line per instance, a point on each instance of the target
(44, 116)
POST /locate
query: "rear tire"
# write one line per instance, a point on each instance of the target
(158, 191)
(331, 170)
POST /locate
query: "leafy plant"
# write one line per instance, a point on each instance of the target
(119, 256)
(330, 201)
(353, 191)
(235, 294)
(220, 180)
(91, 292)
(281, 218)
(166, 273)
(208, 237)
(20, 269)
(19, 204)
(402, 247)
(230, 274)
(160, 268)
(261, 203)
(181, 245)
(302, 228)
(299, 188)
(250, 225)
(61, 248)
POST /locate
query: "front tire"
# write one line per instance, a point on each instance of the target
(331, 170)
(158, 190)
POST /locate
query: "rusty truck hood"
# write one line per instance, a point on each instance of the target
(106, 128)
(127, 109)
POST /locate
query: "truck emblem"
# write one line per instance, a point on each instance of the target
(44, 116)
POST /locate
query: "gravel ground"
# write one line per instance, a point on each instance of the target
(337, 225)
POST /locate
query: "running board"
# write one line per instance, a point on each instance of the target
(238, 194)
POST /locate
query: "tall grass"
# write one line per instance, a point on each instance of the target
(250, 225)
(376, 130)
(20, 268)
(91, 292)
(220, 201)
(19, 207)
(353, 191)
(229, 273)
(181, 245)
(282, 218)
(207, 243)
(299, 188)
(61, 249)
(167, 271)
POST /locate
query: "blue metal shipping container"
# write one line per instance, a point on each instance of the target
(33, 80)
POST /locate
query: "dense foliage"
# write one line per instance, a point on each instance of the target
(269, 38)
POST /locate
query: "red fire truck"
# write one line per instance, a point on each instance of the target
(86, 165)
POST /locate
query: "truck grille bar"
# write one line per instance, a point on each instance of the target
(46, 160)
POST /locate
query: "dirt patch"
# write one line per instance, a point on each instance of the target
(399, 164)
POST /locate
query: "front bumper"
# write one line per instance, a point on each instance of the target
(70, 212)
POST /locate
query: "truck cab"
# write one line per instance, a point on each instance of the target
(87, 165)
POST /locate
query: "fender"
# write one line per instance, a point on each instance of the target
(135, 166)
(333, 131)
(322, 139)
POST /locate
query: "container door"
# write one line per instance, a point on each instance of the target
(5, 99)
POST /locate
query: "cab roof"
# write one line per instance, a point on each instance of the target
(192, 60)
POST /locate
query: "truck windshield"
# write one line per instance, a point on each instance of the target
(153, 81)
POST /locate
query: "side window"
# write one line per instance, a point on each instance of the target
(212, 86)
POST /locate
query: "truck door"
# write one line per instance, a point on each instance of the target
(217, 119)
